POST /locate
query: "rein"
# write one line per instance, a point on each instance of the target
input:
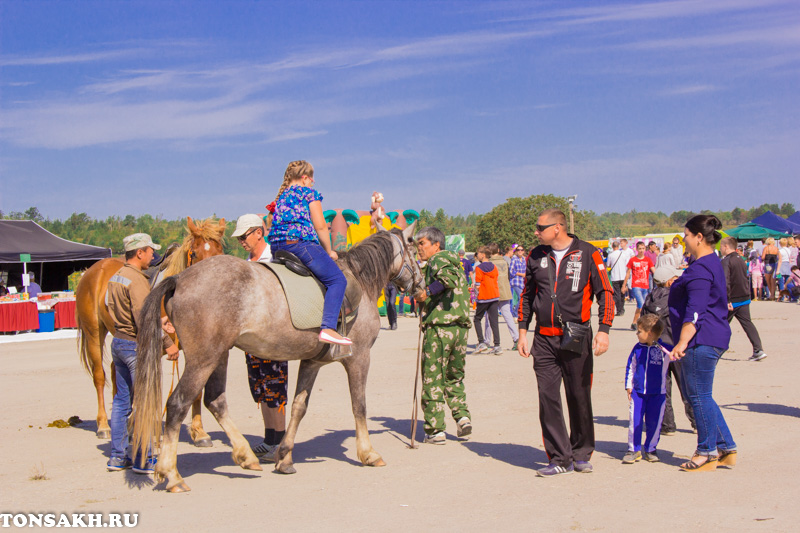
(402, 254)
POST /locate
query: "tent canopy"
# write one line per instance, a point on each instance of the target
(748, 231)
(795, 217)
(27, 237)
(772, 221)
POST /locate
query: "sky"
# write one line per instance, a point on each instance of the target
(177, 108)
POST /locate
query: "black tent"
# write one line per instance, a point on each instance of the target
(53, 259)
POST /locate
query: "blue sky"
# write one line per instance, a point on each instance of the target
(193, 108)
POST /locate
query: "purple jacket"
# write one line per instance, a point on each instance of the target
(700, 296)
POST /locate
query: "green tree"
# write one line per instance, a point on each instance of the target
(515, 220)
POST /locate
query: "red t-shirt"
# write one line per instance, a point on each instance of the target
(640, 272)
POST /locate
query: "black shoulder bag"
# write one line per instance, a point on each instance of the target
(575, 334)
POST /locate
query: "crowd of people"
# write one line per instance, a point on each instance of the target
(686, 295)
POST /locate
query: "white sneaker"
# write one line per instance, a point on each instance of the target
(464, 428)
(758, 356)
(436, 438)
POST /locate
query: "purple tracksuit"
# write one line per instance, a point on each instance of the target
(646, 376)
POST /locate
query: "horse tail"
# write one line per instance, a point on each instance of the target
(83, 347)
(84, 298)
(147, 387)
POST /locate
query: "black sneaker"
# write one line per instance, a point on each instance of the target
(651, 457)
(119, 463)
(554, 470)
(583, 467)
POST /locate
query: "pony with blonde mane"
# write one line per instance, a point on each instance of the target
(203, 240)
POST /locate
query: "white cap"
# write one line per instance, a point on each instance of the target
(246, 222)
(139, 240)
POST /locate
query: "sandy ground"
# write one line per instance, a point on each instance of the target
(485, 484)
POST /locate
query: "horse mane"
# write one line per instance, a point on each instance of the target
(371, 259)
(208, 230)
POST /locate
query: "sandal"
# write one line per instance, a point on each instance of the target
(727, 458)
(709, 464)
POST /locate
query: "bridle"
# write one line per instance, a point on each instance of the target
(403, 253)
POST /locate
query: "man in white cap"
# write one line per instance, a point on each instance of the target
(268, 379)
(125, 296)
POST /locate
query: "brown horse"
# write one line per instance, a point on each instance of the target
(225, 302)
(204, 240)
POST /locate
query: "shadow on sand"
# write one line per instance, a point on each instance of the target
(765, 408)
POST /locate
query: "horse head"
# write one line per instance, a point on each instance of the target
(204, 240)
(405, 272)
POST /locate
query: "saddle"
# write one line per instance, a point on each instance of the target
(305, 294)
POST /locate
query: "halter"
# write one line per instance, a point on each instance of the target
(402, 254)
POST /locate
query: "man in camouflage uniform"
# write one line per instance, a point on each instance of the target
(445, 321)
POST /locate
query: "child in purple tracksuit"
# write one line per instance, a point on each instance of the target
(645, 382)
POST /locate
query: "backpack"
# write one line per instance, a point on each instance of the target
(656, 303)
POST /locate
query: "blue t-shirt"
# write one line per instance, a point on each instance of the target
(291, 220)
(701, 297)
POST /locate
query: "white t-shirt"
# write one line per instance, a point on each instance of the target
(560, 255)
(619, 265)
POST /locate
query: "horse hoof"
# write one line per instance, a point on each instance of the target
(180, 487)
(204, 443)
(103, 434)
(251, 466)
(379, 462)
(285, 469)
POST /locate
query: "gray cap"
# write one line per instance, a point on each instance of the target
(665, 273)
(246, 222)
(139, 240)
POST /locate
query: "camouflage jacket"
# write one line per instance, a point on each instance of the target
(451, 306)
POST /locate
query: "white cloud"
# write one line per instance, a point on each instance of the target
(689, 89)
(105, 55)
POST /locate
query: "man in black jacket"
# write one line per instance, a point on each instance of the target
(739, 294)
(578, 274)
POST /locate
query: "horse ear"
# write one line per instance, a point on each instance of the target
(190, 224)
(408, 233)
(380, 227)
(222, 223)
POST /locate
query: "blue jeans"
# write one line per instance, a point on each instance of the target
(123, 353)
(640, 294)
(697, 370)
(516, 296)
(326, 270)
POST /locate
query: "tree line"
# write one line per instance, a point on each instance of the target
(512, 222)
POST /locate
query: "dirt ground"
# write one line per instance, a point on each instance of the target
(487, 483)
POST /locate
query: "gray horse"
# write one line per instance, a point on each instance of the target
(224, 302)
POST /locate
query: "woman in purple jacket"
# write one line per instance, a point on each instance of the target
(698, 310)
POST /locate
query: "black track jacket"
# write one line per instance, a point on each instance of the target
(581, 276)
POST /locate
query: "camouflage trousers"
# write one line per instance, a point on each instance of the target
(444, 350)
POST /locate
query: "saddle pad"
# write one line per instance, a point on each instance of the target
(304, 294)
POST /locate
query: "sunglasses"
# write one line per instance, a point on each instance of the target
(540, 228)
(244, 237)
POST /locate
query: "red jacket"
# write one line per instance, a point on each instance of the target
(581, 276)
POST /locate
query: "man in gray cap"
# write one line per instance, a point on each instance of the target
(268, 379)
(127, 290)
